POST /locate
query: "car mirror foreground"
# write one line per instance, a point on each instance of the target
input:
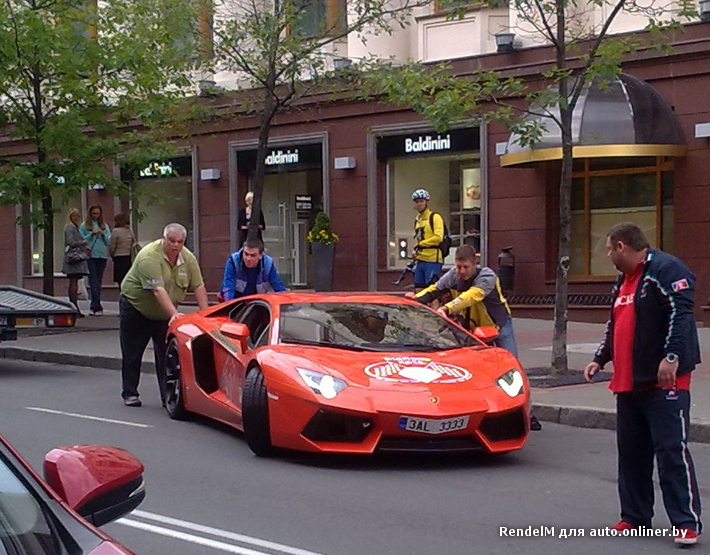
(99, 482)
(486, 333)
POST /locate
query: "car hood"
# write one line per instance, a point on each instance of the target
(470, 368)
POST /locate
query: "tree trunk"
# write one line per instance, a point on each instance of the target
(559, 361)
(258, 185)
(48, 234)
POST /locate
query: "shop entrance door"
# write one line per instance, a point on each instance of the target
(287, 223)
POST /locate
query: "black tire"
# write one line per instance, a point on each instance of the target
(255, 414)
(174, 400)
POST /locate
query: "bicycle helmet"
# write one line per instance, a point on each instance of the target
(420, 194)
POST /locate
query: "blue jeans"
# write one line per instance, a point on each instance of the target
(96, 276)
(426, 273)
(506, 338)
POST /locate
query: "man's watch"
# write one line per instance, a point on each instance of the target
(671, 358)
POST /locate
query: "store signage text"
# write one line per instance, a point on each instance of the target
(427, 144)
(280, 157)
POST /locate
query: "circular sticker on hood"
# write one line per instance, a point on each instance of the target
(416, 370)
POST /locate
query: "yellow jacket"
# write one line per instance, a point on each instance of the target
(428, 239)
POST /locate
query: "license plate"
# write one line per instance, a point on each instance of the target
(430, 426)
(29, 322)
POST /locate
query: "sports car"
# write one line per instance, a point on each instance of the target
(346, 373)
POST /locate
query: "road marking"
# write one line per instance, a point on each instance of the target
(88, 417)
(583, 348)
(273, 546)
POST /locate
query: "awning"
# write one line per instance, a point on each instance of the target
(624, 117)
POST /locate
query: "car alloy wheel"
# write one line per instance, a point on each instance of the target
(174, 401)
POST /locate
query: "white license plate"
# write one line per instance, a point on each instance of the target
(430, 426)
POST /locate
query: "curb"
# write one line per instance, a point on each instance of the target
(70, 359)
(604, 419)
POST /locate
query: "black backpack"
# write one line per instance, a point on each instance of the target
(445, 245)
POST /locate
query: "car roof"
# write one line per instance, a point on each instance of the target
(340, 297)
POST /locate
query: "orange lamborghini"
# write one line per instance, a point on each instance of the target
(346, 373)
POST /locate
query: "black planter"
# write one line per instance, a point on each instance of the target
(323, 256)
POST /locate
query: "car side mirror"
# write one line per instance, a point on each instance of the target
(237, 331)
(487, 334)
(99, 482)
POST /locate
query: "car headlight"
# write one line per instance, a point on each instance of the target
(511, 382)
(324, 384)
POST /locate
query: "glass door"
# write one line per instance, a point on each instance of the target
(287, 221)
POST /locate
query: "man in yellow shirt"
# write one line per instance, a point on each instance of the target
(160, 277)
(427, 240)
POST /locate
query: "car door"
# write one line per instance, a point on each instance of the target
(256, 315)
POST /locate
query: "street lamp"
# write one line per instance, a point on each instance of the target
(504, 41)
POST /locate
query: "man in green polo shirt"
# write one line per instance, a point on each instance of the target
(160, 277)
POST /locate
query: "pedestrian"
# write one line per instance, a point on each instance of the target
(121, 246)
(428, 235)
(652, 340)
(98, 236)
(244, 219)
(75, 267)
(476, 296)
(160, 277)
(249, 271)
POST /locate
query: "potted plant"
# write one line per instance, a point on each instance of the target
(322, 240)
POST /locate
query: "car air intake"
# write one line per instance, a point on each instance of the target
(502, 427)
(337, 427)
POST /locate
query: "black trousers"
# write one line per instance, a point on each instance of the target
(654, 422)
(135, 331)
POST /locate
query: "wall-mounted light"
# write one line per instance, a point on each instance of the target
(702, 130)
(705, 11)
(96, 187)
(505, 42)
(210, 174)
(342, 63)
(344, 162)
(403, 247)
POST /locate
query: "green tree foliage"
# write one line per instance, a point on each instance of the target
(281, 51)
(585, 50)
(81, 84)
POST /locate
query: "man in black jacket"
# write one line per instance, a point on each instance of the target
(652, 339)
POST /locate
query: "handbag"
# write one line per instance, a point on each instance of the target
(74, 255)
(135, 249)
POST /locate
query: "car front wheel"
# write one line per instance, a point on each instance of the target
(255, 414)
(174, 401)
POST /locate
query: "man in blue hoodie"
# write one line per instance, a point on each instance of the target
(249, 271)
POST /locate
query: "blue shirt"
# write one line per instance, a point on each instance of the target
(97, 244)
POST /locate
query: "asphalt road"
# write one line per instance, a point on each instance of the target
(207, 493)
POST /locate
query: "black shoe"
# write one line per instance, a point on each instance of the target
(535, 425)
(132, 401)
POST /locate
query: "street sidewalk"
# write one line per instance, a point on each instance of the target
(93, 342)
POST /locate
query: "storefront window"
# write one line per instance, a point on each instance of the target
(291, 197)
(165, 197)
(448, 166)
(60, 219)
(604, 197)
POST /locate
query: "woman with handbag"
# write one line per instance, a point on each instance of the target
(121, 247)
(74, 264)
(98, 237)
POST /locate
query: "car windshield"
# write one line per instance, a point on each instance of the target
(370, 327)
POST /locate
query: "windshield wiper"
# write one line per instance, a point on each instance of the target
(313, 343)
